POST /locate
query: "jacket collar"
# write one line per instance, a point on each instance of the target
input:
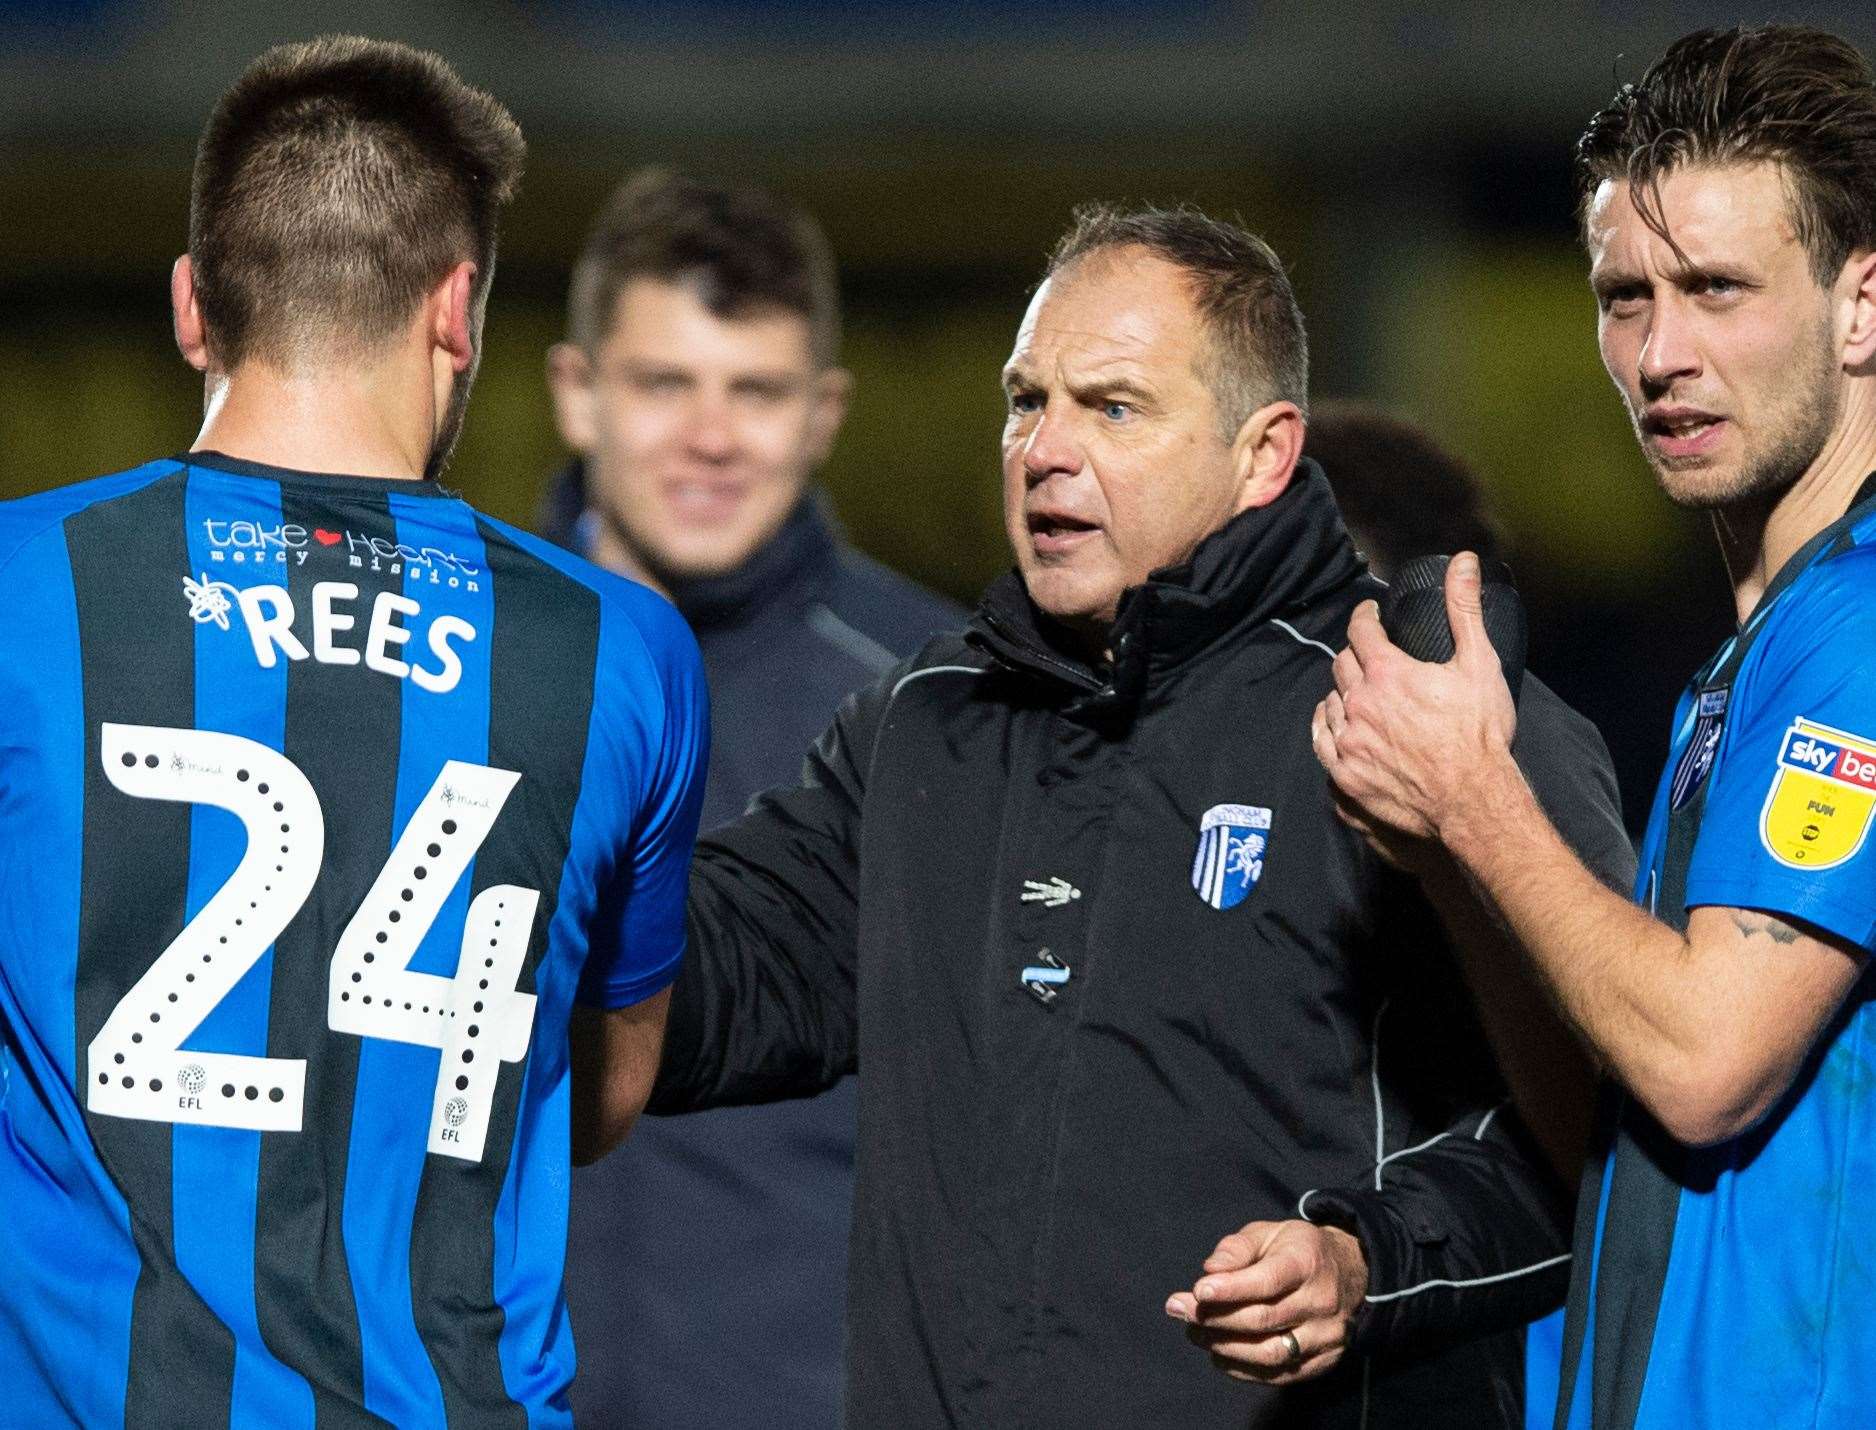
(795, 561)
(1261, 564)
(797, 558)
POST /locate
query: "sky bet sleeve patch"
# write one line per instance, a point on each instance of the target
(1817, 812)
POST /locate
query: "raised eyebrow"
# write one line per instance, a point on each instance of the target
(1110, 387)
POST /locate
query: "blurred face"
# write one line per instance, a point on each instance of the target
(1113, 463)
(1727, 361)
(699, 432)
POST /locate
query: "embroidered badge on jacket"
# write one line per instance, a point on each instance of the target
(1229, 861)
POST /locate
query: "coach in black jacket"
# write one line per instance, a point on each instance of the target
(1071, 890)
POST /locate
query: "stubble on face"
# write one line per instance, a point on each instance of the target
(1793, 428)
(1716, 333)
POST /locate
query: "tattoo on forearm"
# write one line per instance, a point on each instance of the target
(1764, 926)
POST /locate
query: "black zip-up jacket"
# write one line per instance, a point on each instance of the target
(1080, 1070)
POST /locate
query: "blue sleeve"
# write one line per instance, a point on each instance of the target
(1788, 812)
(30, 533)
(639, 940)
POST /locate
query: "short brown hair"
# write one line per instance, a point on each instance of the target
(744, 249)
(1259, 351)
(1785, 94)
(1400, 492)
(338, 180)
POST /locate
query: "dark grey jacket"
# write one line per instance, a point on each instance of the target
(1096, 1037)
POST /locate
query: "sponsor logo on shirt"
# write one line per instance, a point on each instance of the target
(1229, 860)
(259, 543)
(1818, 810)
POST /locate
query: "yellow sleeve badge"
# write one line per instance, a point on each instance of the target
(1823, 793)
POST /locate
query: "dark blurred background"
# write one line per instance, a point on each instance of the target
(1411, 164)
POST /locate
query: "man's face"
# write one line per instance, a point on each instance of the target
(1726, 361)
(1113, 462)
(699, 432)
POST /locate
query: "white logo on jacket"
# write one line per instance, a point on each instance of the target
(1229, 860)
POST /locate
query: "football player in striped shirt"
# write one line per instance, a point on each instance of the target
(328, 805)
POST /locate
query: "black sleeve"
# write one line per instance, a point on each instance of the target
(1468, 1232)
(1464, 1237)
(1464, 1221)
(1567, 765)
(764, 1006)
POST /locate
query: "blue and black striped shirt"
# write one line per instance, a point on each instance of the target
(322, 800)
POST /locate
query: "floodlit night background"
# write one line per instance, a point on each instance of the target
(1411, 165)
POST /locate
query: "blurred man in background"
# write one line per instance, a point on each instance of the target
(1724, 1254)
(1400, 493)
(1070, 890)
(699, 389)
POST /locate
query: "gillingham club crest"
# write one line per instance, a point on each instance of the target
(1703, 744)
(1230, 856)
(1817, 812)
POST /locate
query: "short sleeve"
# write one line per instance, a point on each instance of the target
(1790, 802)
(637, 941)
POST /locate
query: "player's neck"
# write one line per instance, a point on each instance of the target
(1757, 539)
(352, 420)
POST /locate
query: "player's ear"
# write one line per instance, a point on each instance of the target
(452, 314)
(570, 380)
(832, 391)
(1265, 452)
(1856, 288)
(191, 333)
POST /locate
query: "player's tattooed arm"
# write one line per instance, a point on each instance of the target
(1755, 925)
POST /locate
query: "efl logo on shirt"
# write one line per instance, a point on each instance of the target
(1823, 794)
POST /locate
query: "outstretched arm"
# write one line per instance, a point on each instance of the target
(764, 1008)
